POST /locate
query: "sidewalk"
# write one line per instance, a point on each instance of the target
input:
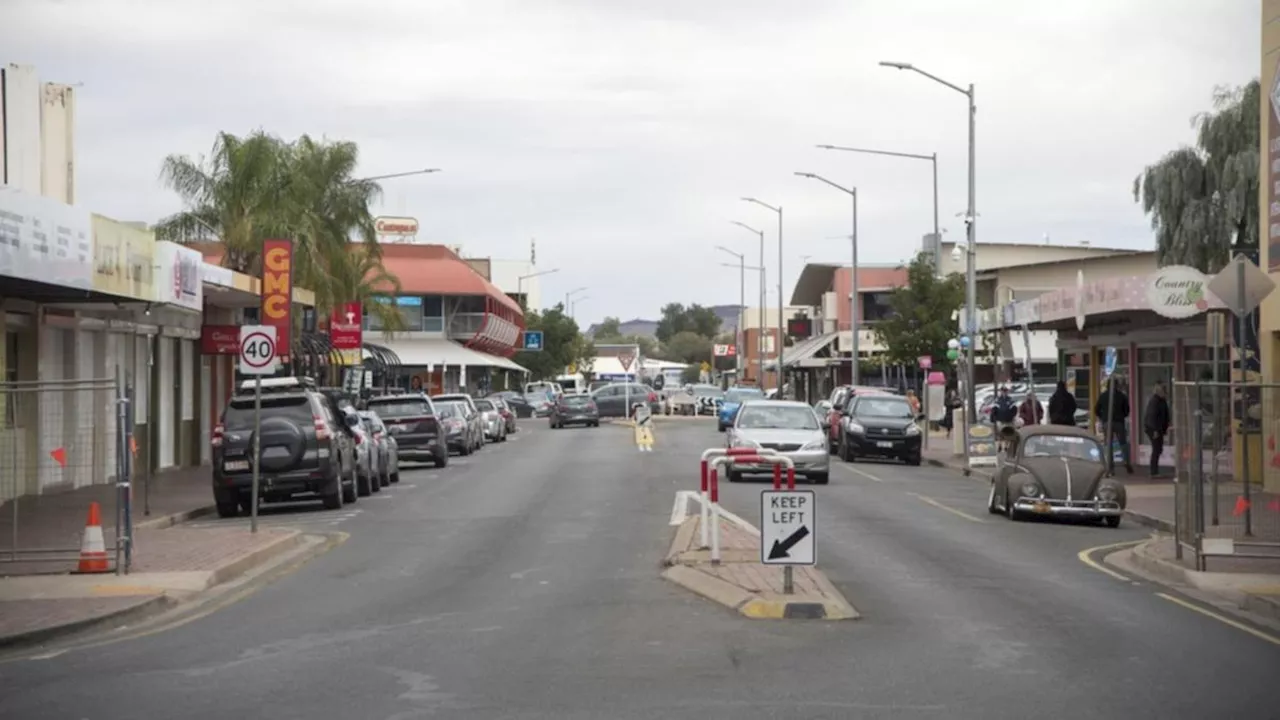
(171, 565)
(745, 584)
(56, 519)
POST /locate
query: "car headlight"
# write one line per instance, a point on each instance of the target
(815, 445)
(745, 443)
(1108, 493)
(913, 429)
(1030, 489)
(856, 428)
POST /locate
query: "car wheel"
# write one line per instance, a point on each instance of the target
(991, 500)
(395, 477)
(844, 450)
(386, 479)
(720, 426)
(442, 460)
(734, 476)
(364, 485)
(228, 504)
(913, 460)
(820, 478)
(1112, 521)
(465, 449)
(333, 497)
(376, 482)
(349, 492)
(1009, 512)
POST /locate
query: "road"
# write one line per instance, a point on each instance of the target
(525, 584)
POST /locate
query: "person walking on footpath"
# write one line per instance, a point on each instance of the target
(1031, 412)
(1117, 420)
(1004, 413)
(952, 402)
(1062, 406)
(1156, 422)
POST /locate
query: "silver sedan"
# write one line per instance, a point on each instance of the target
(791, 428)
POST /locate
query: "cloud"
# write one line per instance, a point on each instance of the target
(622, 134)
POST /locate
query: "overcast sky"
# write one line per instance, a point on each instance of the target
(621, 135)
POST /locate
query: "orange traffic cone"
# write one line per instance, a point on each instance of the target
(93, 550)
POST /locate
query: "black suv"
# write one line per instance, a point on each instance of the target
(879, 426)
(411, 419)
(305, 448)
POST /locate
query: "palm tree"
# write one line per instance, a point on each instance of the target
(1203, 200)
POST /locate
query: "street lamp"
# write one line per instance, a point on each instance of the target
(573, 308)
(520, 285)
(760, 311)
(570, 294)
(425, 171)
(933, 159)
(742, 303)
(970, 223)
(853, 274)
(781, 319)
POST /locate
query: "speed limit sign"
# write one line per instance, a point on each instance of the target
(257, 349)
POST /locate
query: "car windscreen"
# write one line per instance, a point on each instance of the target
(403, 407)
(239, 414)
(534, 399)
(575, 400)
(885, 407)
(755, 416)
(738, 396)
(484, 405)
(1065, 446)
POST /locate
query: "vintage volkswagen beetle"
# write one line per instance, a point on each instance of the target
(1055, 470)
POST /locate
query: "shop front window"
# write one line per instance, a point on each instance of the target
(1155, 364)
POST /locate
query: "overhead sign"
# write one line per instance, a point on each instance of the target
(277, 291)
(398, 226)
(257, 349)
(787, 530)
(1177, 292)
(1241, 285)
(533, 341)
(725, 350)
(625, 359)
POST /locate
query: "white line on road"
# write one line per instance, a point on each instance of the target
(680, 509)
(953, 511)
(856, 471)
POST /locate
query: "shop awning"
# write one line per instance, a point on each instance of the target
(435, 353)
(804, 353)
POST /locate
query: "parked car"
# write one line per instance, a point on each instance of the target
(367, 473)
(612, 400)
(508, 415)
(517, 402)
(791, 428)
(472, 414)
(540, 403)
(733, 400)
(839, 399)
(491, 421)
(1055, 470)
(411, 419)
(881, 426)
(305, 448)
(388, 448)
(463, 428)
(574, 410)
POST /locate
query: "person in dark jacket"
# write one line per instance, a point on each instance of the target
(1031, 411)
(1005, 410)
(1114, 414)
(1062, 406)
(1156, 421)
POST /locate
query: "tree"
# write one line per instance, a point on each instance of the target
(691, 374)
(562, 344)
(608, 328)
(1203, 200)
(689, 347)
(676, 318)
(921, 319)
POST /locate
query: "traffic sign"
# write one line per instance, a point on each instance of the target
(533, 340)
(258, 349)
(625, 359)
(1241, 285)
(1109, 361)
(787, 529)
(925, 361)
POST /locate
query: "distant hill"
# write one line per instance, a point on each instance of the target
(728, 315)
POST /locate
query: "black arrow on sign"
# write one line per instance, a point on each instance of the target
(782, 548)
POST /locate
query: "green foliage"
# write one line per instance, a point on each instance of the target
(1203, 200)
(257, 187)
(689, 347)
(676, 318)
(921, 322)
(563, 345)
(609, 328)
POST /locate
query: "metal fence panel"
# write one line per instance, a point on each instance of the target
(1220, 505)
(63, 445)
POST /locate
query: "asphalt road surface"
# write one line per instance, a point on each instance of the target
(525, 584)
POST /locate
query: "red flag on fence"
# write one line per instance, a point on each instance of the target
(59, 456)
(1242, 505)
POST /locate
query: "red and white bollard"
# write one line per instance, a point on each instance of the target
(703, 511)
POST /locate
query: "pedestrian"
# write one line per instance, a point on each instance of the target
(1031, 411)
(1113, 413)
(950, 404)
(1003, 414)
(1062, 406)
(1156, 422)
(914, 402)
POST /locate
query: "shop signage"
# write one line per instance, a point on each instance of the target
(277, 292)
(1177, 292)
(1271, 177)
(220, 339)
(178, 276)
(45, 241)
(344, 326)
(124, 259)
(398, 226)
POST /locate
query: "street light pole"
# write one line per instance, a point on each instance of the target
(570, 294)
(573, 308)
(520, 285)
(742, 305)
(933, 160)
(397, 175)
(971, 234)
(781, 320)
(760, 311)
(853, 276)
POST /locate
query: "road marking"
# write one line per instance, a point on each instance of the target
(680, 510)
(748, 527)
(856, 471)
(1086, 558)
(1221, 618)
(948, 508)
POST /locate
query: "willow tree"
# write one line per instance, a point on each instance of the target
(1203, 200)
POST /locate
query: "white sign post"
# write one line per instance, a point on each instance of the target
(787, 527)
(257, 358)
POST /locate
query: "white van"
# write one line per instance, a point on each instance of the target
(574, 384)
(549, 389)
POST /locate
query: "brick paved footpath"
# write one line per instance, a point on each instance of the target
(741, 566)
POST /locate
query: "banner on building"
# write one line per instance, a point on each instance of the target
(277, 292)
(220, 340)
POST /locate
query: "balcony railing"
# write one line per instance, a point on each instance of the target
(464, 326)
